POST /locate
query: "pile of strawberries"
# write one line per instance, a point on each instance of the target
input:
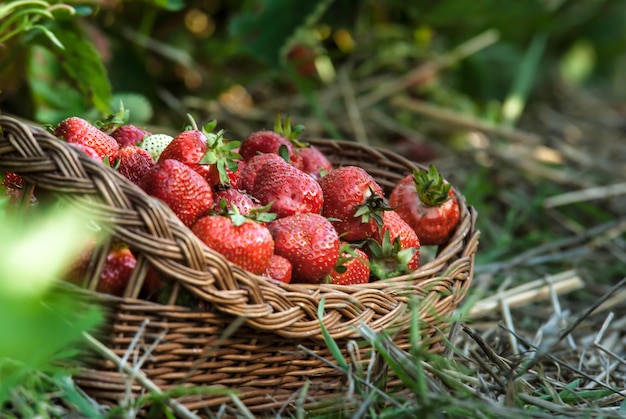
(270, 203)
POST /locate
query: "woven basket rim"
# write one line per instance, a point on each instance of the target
(286, 309)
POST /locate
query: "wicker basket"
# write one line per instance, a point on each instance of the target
(262, 358)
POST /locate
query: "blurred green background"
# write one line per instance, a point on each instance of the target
(167, 57)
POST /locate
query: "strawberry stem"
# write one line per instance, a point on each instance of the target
(192, 121)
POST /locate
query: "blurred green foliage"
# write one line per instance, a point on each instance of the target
(168, 51)
(40, 324)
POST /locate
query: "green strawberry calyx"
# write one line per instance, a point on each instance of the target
(372, 208)
(115, 120)
(288, 132)
(220, 152)
(431, 187)
(259, 215)
(388, 259)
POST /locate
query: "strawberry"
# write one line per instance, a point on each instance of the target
(352, 267)
(11, 188)
(88, 150)
(279, 269)
(12, 180)
(241, 240)
(314, 162)
(134, 163)
(78, 130)
(129, 135)
(265, 141)
(260, 142)
(181, 188)
(289, 190)
(310, 242)
(117, 269)
(244, 202)
(250, 170)
(354, 201)
(426, 201)
(188, 147)
(155, 144)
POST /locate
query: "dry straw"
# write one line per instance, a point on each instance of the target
(249, 335)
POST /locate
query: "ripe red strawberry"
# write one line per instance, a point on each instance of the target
(11, 187)
(242, 241)
(78, 130)
(88, 150)
(279, 269)
(355, 200)
(250, 170)
(314, 162)
(289, 190)
(425, 200)
(309, 242)
(400, 229)
(134, 163)
(117, 269)
(260, 142)
(264, 141)
(129, 135)
(187, 147)
(181, 188)
(352, 267)
(12, 180)
(244, 202)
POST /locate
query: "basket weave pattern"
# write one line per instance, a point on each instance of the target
(262, 358)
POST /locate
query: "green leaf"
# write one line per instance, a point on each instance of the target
(283, 152)
(210, 157)
(50, 35)
(210, 126)
(82, 63)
